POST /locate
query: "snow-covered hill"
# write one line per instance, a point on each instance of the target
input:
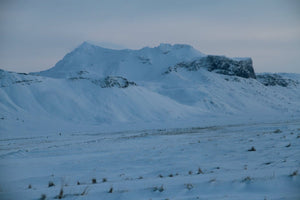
(164, 85)
(145, 64)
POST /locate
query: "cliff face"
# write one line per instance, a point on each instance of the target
(220, 64)
(227, 66)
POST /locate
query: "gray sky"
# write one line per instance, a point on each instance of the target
(34, 35)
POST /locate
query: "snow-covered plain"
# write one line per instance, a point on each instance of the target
(154, 123)
(156, 164)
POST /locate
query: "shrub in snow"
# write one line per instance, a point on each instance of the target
(252, 149)
(247, 179)
(85, 191)
(51, 184)
(111, 190)
(268, 163)
(189, 186)
(104, 180)
(160, 189)
(212, 180)
(43, 197)
(277, 131)
(94, 181)
(61, 194)
(295, 173)
(199, 171)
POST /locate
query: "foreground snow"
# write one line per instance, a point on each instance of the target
(187, 163)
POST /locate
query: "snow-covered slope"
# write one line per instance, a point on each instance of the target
(144, 64)
(164, 85)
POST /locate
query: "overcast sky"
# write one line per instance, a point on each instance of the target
(34, 35)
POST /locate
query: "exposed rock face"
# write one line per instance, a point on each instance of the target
(275, 79)
(219, 64)
(108, 82)
(116, 81)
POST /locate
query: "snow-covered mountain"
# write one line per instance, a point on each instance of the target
(144, 64)
(165, 85)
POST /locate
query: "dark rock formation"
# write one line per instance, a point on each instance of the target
(275, 79)
(116, 81)
(113, 81)
(106, 82)
(219, 64)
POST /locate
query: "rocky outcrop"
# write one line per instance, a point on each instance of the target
(116, 81)
(219, 64)
(107, 82)
(275, 79)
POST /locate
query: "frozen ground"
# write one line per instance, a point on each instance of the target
(190, 163)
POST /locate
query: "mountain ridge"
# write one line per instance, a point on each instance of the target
(103, 62)
(95, 85)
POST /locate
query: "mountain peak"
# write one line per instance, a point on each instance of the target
(85, 45)
(168, 47)
(164, 46)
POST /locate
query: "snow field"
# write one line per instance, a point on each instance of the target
(196, 163)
